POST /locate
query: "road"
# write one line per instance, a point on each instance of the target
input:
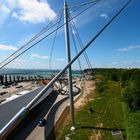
(30, 122)
(51, 109)
(28, 128)
(9, 109)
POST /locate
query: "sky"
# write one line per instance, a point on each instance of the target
(117, 47)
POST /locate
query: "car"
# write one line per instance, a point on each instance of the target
(20, 86)
(42, 122)
(6, 86)
(4, 92)
(14, 84)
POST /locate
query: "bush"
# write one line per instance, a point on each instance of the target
(101, 86)
(131, 96)
(133, 126)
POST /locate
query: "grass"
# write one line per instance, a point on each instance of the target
(132, 121)
(108, 116)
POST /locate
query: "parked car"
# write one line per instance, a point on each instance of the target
(42, 122)
(14, 84)
(4, 92)
(6, 86)
(20, 86)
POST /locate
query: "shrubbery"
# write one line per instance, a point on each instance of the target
(101, 86)
(131, 96)
(131, 91)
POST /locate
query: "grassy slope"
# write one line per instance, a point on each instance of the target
(132, 121)
(108, 115)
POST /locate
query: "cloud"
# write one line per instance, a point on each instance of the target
(98, 10)
(40, 56)
(38, 62)
(60, 59)
(114, 63)
(19, 63)
(128, 48)
(124, 64)
(31, 11)
(73, 31)
(7, 48)
(4, 13)
(130, 62)
(104, 16)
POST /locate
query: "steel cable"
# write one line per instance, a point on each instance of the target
(45, 37)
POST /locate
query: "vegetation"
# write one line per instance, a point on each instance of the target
(106, 117)
(131, 97)
(130, 83)
(116, 106)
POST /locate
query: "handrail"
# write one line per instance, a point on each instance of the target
(12, 123)
(22, 113)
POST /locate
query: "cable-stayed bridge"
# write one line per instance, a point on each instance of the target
(23, 58)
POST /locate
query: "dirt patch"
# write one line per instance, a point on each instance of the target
(86, 88)
(96, 134)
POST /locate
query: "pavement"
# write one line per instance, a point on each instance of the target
(42, 133)
(9, 109)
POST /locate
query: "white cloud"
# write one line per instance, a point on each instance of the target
(19, 63)
(38, 62)
(131, 62)
(73, 31)
(31, 11)
(104, 16)
(128, 48)
(40, 56)
(60, 59)
(15, 15)
(4, 13)
(3, 58)
(7, 47)
(100, 9)
(114, 63)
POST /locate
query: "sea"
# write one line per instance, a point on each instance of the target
(35, 72)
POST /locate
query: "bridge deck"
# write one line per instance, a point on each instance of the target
(9, 109)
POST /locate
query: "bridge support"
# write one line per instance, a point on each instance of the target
(70, 86)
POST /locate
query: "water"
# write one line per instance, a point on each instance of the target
(34, 72)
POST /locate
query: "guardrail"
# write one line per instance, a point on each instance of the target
(13, 122)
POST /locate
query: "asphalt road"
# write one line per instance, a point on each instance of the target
(28, 128)
(9, 109)
(30, 122)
